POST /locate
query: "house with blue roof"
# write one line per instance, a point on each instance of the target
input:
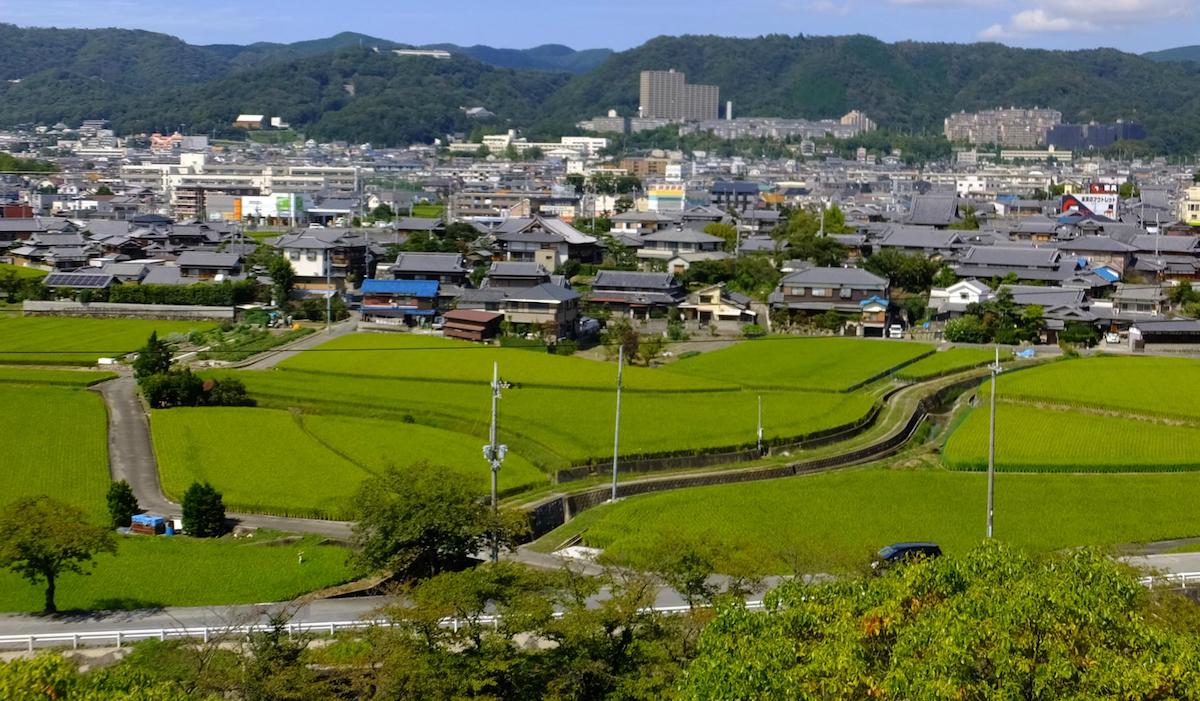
(411, 302)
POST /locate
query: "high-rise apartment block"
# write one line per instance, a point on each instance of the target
(667, 95)
(1018, 128)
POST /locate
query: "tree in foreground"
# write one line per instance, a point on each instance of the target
(154, 358)
(992, 624)
(420, 521)
(122, 504)
(203, 511)
(42, 538)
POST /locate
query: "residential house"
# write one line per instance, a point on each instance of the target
(850, 291)
(528, 296)
(1140, 300)
(1100, 251)
(949, 302)
(318, 253)
(936, 210)
(918, 240)
(669, 243)
(410, 302)
(734, 194)
(446, 268)
(640, 223)
(636, 293)
(1035, 230)
(204, 265)
(546, 240)
(1028, 264)
(715, 304)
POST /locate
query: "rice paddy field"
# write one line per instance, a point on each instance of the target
(55, 442)
(833, 522)
(1100, 414)
(179, 571)
(28, 340)
(946, 362)
(282, 463)
(829, 364)
(21, 271)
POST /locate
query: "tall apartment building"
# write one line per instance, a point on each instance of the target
(1013, 128)
(667, 95)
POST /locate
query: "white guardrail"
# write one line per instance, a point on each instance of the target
(119, 638)
(1179, 580)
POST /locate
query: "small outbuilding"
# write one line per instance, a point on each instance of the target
(472, 324)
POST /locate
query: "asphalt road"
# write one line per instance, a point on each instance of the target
(270, 359)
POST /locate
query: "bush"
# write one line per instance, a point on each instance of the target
(566, 347)
(177, 388)
(753, 331)
(226, 392)
(221, 294)
(122, 504)
(203, 511)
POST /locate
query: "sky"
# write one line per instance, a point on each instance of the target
(1129, 25)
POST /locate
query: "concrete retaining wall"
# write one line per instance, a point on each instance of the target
(126, 311)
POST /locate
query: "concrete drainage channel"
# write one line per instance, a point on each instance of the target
(557, 510)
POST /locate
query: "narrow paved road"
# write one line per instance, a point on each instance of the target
(131, 458)
(268, 360)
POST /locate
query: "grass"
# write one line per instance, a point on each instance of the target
(1140, 385)
(1032, 438)
(945, 362)
(55, 443)
(65, 378)
(276, 462)
(830, 364)
(832, 522)
(427, 211)
(21, 271)
(180, 571)
(65, 341)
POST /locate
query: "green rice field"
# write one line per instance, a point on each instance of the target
(1137, 385)
(55, 443)
(830, 364)
(1035, 439)
(276, 462)
(66, 378)
(68, 341)
(946, 362)
(833, 522)
(21, 271)
(179, 571)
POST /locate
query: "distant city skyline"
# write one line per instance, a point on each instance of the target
(1130, 25)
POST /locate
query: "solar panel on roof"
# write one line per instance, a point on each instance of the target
(77, 280)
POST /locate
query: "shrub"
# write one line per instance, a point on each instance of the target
(178, 388)
(122, 504)
(203, 511)
(753, 331)
(227, 392)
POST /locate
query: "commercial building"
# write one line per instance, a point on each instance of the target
(1082, 137)
(1013, 127)
(667, 95)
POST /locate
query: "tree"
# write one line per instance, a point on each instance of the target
(994, 623)
(282, 276)
(416, 523)
(203, 511)
(42, 538)
(620, 334)
(122, 504)
(383, 212)
(913, 273)
(154, 358)
(171, 389)
(649, 348)
(725, 231)
(944, 278)
(966, 329)
(970, 222)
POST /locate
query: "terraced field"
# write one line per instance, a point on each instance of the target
(946, 362)
(28, 340)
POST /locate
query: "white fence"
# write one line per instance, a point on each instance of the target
(118, 638)
(1178, 580)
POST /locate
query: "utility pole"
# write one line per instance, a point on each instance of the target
(494, 453)
(991, 474)
(617, 425)
(328, 290)
(760, 429)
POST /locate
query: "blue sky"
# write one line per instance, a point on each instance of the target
(1130, 25)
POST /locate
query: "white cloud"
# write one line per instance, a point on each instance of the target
(828, 7)
(1076, 16)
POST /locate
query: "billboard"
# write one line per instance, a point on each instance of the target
(1086, 203)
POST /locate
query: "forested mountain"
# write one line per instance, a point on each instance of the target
(902, 86)
(342, 88)
(355, 94)
(1179, 53)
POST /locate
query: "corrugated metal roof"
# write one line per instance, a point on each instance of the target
(417, 288)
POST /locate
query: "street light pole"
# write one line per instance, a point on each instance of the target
(760, 428)
(494, 453)
(617, 426)
(991, 474)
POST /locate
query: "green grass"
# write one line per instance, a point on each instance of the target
(270, 461)
(63, 341)
(55, 442)
(66, 378)
(1139, 385)
(180, 571)
(809, 363)
(22, 271)
(427, 211)
(1031, 438)
(833, 522)
(945, 362)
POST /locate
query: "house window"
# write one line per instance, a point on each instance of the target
(846, 292)
(311, 255)
(819, 292)
(294, 255)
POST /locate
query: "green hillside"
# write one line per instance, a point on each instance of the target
(1179, 53)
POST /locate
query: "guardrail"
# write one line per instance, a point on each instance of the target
(118, 638)
(1178, 579)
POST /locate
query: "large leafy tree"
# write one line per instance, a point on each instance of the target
(417, 523)
(42, 538)
(122, 504)
(993, 624)
(203, 511)
(154, 358)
